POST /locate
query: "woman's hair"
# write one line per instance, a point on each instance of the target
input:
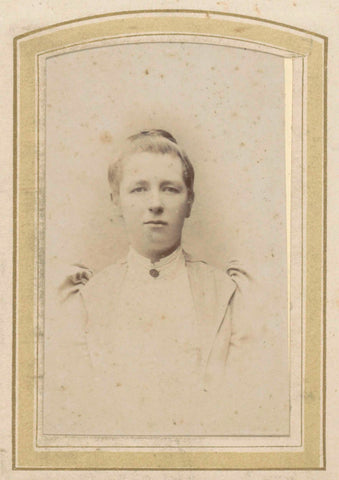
(154, 141)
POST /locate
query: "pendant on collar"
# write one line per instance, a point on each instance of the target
(154, 273)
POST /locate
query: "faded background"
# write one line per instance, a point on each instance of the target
(23, 16)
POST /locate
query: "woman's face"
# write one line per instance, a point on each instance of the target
(154, 202)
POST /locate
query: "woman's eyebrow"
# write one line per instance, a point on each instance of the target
(139, 182)
(172, 182)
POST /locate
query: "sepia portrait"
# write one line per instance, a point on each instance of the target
(170, 243)
(140, 313)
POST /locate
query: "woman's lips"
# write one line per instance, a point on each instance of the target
(155, 222)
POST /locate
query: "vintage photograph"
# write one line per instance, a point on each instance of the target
(169, 181)
(163, 251)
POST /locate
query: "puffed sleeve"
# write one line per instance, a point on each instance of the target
(256, 376)
(66, 357)
(74, 276)
(243, 325)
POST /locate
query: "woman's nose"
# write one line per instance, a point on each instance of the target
(155, 203)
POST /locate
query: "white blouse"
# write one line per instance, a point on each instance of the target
(155, 351)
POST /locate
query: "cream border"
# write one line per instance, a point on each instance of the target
(27, 46)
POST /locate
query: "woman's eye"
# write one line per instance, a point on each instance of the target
(171, 189)
(138, 189)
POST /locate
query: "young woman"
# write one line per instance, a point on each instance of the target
(151, 334)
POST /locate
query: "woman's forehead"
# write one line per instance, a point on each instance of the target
(152, 165)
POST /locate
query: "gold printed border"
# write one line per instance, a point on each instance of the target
(27, 48)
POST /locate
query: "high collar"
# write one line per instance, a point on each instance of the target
(166, 266)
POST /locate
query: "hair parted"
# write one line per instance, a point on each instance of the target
(154, 141)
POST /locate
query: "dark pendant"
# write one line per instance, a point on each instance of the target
(154, 273)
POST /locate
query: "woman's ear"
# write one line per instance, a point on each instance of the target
(116, 204)
(189, 204)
